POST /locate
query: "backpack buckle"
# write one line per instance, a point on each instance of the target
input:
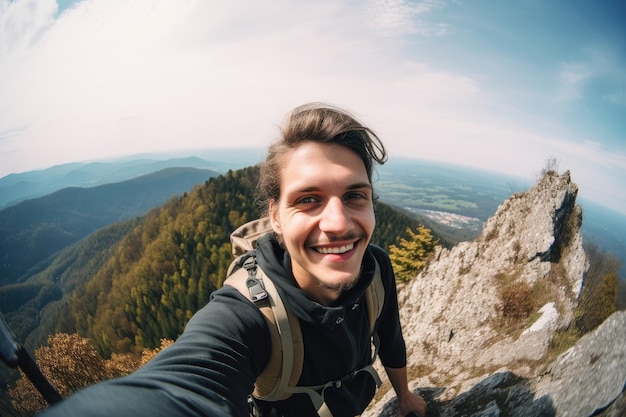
(255, 286)
(257, 291)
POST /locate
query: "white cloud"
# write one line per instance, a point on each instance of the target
(437, 85)
(599, 63)
(397, 18)
(572, 79)
(22, 23)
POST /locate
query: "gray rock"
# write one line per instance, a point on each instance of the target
(590, 376)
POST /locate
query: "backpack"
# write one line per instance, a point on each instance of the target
(279, 379)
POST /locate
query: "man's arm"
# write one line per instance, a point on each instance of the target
(207, 372)
(407, 401)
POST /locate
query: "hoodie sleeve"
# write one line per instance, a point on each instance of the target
(208, 371)
(392, 351)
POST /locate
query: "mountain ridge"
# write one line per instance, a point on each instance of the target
(17, 187)
(34, 229)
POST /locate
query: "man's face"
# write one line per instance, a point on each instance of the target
(325, 216)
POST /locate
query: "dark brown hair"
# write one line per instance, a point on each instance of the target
(323, 123)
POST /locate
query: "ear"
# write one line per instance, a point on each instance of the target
(274, 219)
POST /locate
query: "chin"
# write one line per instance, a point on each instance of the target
(343, 284)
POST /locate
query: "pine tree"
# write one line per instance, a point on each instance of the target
(412, 254)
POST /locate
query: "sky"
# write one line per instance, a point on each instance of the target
(500, 86)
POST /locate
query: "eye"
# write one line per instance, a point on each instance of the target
(357, 195)
(307, 200)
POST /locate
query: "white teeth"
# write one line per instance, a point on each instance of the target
(336, 250)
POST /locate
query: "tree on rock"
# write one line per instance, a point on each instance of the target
(412, 254)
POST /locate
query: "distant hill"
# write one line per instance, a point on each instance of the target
(18, 187)
(33, 230)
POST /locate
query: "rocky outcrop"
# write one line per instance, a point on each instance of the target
(480, 319)
(589, 378)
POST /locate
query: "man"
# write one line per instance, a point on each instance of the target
(316, 189)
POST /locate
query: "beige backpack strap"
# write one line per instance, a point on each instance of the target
(316, 392)
(374, 300)
(287, 354)
(288, 326)
(375, 297)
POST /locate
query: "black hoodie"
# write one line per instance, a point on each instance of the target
(211, 368)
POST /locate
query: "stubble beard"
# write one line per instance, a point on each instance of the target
(340, 286)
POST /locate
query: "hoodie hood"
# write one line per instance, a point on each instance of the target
(276, 263)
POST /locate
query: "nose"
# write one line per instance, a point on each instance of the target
(334, 217)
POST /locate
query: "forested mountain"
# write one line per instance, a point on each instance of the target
(129, 295)
(33, 230)
(32, 308)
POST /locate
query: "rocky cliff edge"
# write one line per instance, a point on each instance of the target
(480, 320)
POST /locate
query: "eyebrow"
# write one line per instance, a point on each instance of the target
(360, 185)
(356, 186)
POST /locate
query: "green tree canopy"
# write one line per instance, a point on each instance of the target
(412, 254)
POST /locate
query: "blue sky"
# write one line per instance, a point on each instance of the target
(501, 86)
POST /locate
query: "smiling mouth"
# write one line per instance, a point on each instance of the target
(336, 250)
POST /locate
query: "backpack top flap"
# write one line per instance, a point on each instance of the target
(245, 236)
